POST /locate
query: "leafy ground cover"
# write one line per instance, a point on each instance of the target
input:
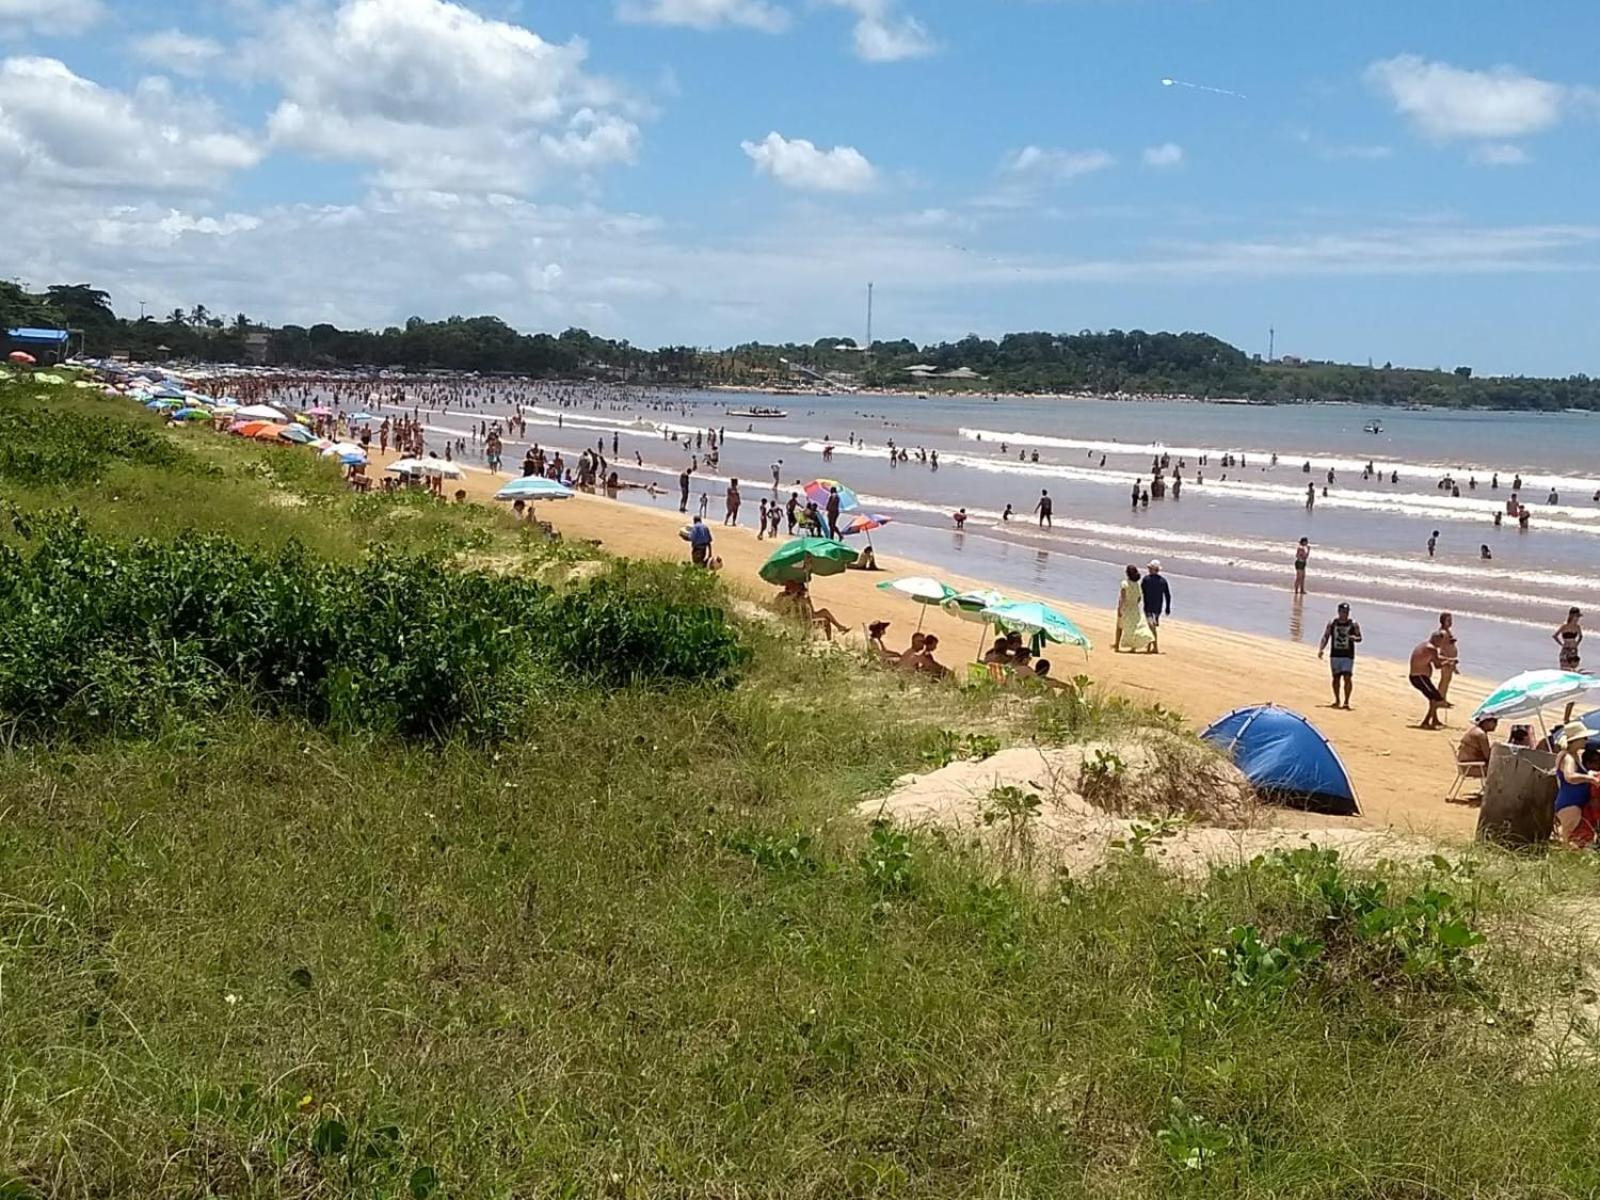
(637, 944)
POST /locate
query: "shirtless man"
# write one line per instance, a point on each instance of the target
(1423, 660)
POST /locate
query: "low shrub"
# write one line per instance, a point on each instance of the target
(47, 445)
(99, 636)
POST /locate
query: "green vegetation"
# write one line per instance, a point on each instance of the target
(641, 944)
(1109, 362)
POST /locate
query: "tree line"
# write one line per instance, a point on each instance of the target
(1105, 362)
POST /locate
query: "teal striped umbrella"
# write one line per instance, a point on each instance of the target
(1042, 622)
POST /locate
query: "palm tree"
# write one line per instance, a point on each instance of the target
(176, 317)
(241, 323)
(199, 315)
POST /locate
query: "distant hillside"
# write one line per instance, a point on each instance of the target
(1135, 362)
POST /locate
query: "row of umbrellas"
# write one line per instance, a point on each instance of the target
(802, 559)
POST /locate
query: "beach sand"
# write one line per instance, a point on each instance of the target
(1401, 773)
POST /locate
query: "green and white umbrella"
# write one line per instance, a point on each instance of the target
(920, 588)
(799, 560)
(1040, 621)
(1530, 693)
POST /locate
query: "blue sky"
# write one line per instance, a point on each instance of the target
(1369, 179)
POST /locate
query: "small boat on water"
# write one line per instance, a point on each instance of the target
(1372, 427)
(769, 414)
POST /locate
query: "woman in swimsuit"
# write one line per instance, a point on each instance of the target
(1572, 781)
(1569, 635)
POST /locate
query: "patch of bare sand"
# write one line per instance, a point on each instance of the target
(1161, 775)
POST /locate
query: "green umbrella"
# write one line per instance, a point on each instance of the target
(799, 560)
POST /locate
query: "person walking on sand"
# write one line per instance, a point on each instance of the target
(1423, 660)
(1133, 631)
(789, 511)
(732, 516)
(832, 509)
(1569, 636)
(698, 535)
(761, 521)
(1044, 508)
(1157, 600)
(1341, 637)
(1302, 555)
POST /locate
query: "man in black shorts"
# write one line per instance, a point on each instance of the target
(1423, 660)
(1044, 509)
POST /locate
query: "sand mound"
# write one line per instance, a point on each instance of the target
(1094, 795)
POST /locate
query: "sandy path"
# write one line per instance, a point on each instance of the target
(1401, 773)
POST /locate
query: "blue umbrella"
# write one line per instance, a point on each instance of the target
(1285, 759)
(298, 434)
(534, 487)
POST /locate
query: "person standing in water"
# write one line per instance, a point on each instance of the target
(1302, 555)
(1569, 636)
(1044, 509)
(1341, 636)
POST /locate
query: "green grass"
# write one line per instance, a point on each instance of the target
(646, 949)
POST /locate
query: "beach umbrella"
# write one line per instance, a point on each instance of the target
(920, 588)
(817, 492)
(23, 357)
(1286, 759)
(405, 466)
(360, 418)
(799, 560)
(262, 412)
(1530, 693)
(438, 466)
(1042, 622)
(534, 487)
(321, 410)
(297, 434)
(269, 433)
(164, 402)
(191, 414)
(861, 522)
(248, 428)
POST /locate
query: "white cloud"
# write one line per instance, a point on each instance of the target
(441, 98)
(799, 164)
(176, 51)
(61, 129)
(884, 33)
(1446, 102)
(707, 14)
(1498, 154)
(1168, 154)
(48, 16)
(1041, 163)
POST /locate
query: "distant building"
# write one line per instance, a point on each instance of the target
(46, 345)
(961, 373)
(255, 346)
(1291, 360)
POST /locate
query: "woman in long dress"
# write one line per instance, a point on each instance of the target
(1133, 631)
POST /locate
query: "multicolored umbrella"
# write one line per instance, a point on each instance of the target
(818, 489)
(1044, 623)
(860, 522)
(191, 414)
(1530, 693)
(798, 561)
(297, 434)
(920, 588)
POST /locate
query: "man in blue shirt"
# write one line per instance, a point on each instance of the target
(698, 535)
(1157, 600)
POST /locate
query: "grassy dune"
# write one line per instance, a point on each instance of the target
(642, 947)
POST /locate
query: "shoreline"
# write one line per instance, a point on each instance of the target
(1400, 773)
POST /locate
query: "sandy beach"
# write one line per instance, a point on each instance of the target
(1401, 773)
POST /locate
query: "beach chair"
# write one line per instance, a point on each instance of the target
(1464, 772)
(977, 675)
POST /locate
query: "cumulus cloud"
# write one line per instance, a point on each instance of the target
(1446, 102)
(800, 164)
(61, 129)
(1038, 162)
(884, 33)
(48, 16)
(442, 97)
(1168, 154)
(707, 14)
(176, 51)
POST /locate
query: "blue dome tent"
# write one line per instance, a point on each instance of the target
(1285, 759)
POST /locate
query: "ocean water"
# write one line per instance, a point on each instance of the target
(1227, 545)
